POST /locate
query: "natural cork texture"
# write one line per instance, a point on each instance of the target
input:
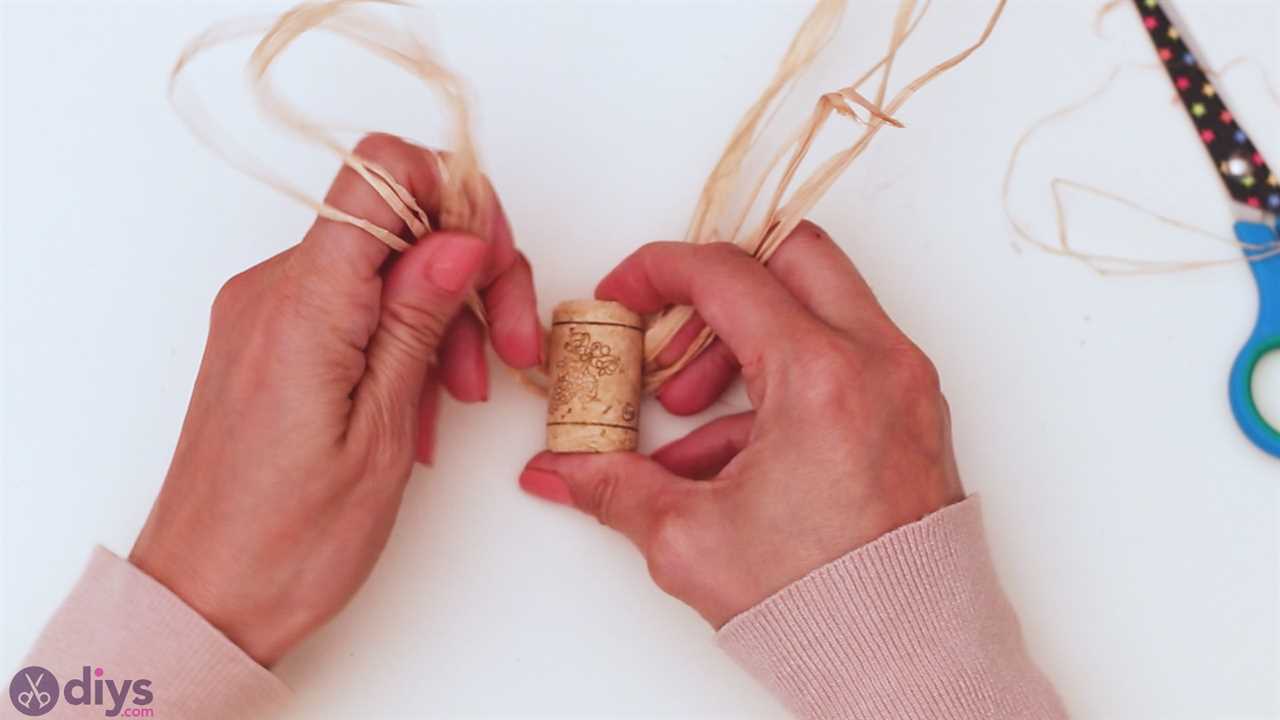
(596, 364)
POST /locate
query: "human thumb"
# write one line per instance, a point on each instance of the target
(423, 291)
(625, 491)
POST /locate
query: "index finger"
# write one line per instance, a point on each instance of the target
(741, 300)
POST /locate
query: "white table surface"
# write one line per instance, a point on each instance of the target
(1136, 530)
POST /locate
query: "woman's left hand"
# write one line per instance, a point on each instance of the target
(318, 388)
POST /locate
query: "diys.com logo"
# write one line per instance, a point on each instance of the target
(34, 691)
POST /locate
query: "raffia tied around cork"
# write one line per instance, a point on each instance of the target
(596, 364)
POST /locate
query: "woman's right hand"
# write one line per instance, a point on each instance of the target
(849, 436)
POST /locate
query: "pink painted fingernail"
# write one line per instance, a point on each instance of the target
(546, 485)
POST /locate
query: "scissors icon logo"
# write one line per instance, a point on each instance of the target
(34, 691)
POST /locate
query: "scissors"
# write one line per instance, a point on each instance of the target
(1254, 191)
(35, 694)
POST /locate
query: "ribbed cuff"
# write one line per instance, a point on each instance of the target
(911, 626)
(121, 620)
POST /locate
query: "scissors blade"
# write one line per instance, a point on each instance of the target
(34, 685)
(1248, 179)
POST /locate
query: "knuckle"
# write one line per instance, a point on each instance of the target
(913, 373)
(415, 327)
(390, 153)
(600, 499)
(669, 548)
(230, 296)
(385, 448)
(915, 389)
(378, 146)
(724, 254)
(827, 373)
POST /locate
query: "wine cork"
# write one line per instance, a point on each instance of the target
(596, 364)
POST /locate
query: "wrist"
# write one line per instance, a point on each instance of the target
(916, 618)
(202, 591)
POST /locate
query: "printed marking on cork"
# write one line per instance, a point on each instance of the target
(596, 361)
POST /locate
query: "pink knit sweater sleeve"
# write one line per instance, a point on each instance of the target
(913, 626)
(118, 619)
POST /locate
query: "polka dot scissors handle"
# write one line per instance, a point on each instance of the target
(1255, 197)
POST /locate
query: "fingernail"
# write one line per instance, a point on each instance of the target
(454, 261)
(546, 485)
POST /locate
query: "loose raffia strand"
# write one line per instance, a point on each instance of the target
(1101, 263)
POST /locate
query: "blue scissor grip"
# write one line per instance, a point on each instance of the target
(1258, 239)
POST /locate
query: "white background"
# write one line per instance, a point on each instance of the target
(1136, 530)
